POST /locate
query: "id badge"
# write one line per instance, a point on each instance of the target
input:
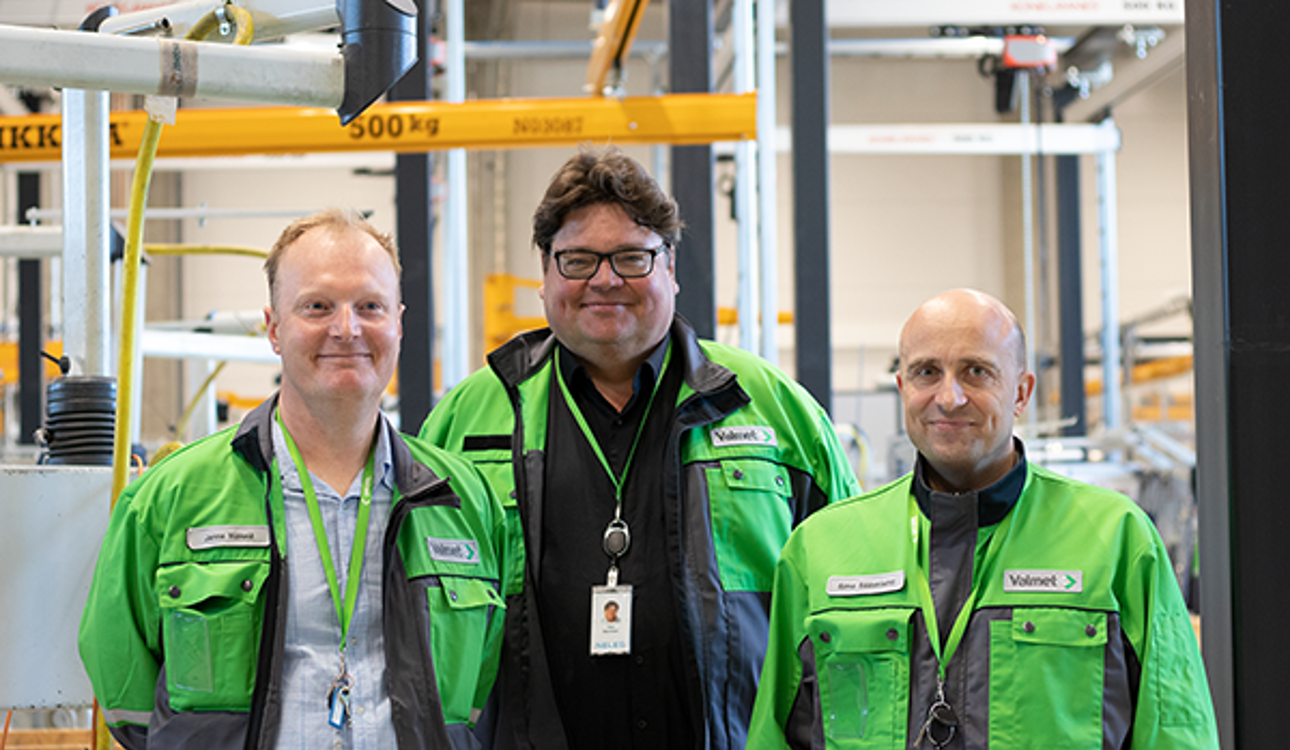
(611, 620)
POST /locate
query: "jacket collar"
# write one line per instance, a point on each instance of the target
(253, 440)
(993, 503)
(523, 356)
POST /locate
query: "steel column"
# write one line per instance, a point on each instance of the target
(31, 329)
(1238, 161)
(1070, 296)
(413, 175)
(87, 334)
(767, 191)
(810, 61)
(689, 32)
(1109, 231)
(454, 362)
(1028, 244)
(745, 197)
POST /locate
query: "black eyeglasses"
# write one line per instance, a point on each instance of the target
(632, 263)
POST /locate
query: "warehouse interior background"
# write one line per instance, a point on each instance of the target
(902, 226)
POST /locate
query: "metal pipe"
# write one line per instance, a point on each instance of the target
(31, 243)
(454, 366)
(193, 212)
(745, 197)
(767, 152)
(1028, 239)
(168, 67)
(87, 332)
(970, 47)
(1108, 238)
(552, 50)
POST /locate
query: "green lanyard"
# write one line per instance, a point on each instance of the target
(344, 612)
(925, 595)
(591, 438)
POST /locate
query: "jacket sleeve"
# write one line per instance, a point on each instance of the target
(496, 622)
(834, 470)
(437, 429)
(781, 709)
(1174, 708)
(120, 628)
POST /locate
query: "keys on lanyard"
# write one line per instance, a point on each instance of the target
(338, 697)
(941, 723)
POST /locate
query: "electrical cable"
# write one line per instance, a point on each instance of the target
(4, 738)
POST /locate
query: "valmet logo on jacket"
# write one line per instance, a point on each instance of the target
(454, 550)
(1055, 581)
(751, 435)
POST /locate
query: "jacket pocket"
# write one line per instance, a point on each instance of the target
(751, 520)
(460, 609)
(1047, 668)
(862, 661)
(210, 629)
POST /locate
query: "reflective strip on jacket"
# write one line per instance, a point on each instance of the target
(1079, 637)
(184, 646)
(751, 454)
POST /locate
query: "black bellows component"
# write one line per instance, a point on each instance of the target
(79, 422)
(379, 44)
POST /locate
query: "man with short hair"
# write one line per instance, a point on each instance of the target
(982, 601)
(641, 465)
(309, 578)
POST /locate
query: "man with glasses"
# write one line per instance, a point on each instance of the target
(639, 465)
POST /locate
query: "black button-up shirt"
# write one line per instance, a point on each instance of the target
(636, 700)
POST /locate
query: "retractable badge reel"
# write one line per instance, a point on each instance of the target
(941, 723)
(611, 604)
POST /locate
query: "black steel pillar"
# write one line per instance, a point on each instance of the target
(1070, 295)
(1239, 160)
(415, 228)
(810, 59)
(689, 34)
(31, 329)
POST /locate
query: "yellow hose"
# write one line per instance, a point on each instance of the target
(169, 249)
(211, 21)
(130, 284)
(134, 241)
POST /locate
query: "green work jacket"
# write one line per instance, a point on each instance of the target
(749, 455)
(1078, 636)
(183, 636)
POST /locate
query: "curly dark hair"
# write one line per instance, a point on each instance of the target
(596, 176)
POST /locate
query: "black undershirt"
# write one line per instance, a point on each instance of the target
(620, 701)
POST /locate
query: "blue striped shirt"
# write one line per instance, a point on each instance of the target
(311, 660)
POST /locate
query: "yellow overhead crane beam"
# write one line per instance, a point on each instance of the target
(410, 127)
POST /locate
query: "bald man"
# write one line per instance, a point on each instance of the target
(980, 601)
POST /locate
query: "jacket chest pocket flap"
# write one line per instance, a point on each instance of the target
(460, 609)
(210, 627)
(1047, 668)
(751, 520)
(862, 661)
